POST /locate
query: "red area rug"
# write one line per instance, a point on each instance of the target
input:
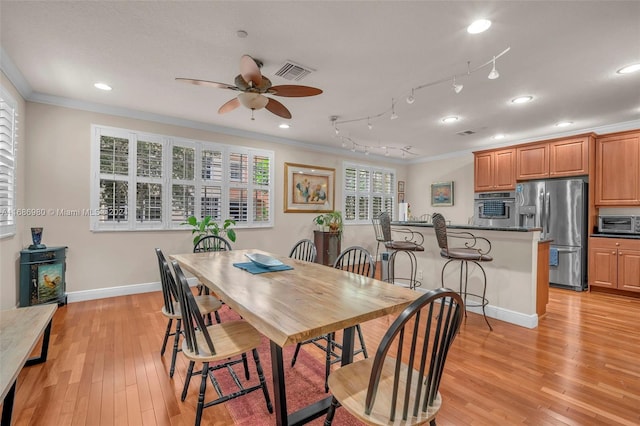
(304, 383)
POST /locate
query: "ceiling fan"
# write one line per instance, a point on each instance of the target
(253, 86)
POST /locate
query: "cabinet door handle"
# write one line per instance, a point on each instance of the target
(619, 253)
(613, 253)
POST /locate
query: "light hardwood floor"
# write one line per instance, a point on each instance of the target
(581, 366)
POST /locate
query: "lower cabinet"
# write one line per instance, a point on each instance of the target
(614, 263)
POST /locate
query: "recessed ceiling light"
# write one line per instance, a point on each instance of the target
(564, 123)
(102, 86)
(450, 119)
(499, 136)
(284, 126)
(479, 26)
(629, 69)
(522, 99)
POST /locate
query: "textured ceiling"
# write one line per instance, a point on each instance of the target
(565, 54)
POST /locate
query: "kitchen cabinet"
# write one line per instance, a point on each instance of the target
(556, 158)
(618, 169)
(614, 263)
(494, 170)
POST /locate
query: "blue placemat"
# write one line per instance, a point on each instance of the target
(254, 268)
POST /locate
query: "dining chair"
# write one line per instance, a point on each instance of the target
(171, 308)
(410, 243)
(352, 259)
(400, 384)
(304, 250)
(210, 243)
(217, 347)
(475, 250)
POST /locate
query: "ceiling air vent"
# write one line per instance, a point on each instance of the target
(292, 71)
(466, 133)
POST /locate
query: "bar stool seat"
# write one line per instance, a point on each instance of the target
(476, 250)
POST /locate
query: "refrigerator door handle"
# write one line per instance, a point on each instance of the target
(547, 213)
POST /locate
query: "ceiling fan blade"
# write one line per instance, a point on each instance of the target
(250, 71)
(294, 91)
(278, 109)
(207, 83)
(229, 106)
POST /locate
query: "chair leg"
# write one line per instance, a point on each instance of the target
(361, 337)
(187, 380)
(432, 422)
(263, 383)
(166, 336)
(246, 366)
(176, 340)
(203, 389)
(327, 363)
(295, 354)
(484, 295)
(217, 315)
(331, 412)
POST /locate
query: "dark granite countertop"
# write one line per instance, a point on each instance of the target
(482, 228)
(625, 236)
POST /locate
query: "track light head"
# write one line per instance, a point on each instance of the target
(410, 98)
(494, 73)
(457, 87)
(393, 110)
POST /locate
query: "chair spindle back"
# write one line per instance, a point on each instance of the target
(304, 250)
(356, 259)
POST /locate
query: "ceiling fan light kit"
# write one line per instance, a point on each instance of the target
(254, 86)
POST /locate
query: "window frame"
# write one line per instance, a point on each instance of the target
(9, 229)
(167, 181)
(370, 193)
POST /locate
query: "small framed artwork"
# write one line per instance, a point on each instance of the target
(442, 194)
(400, 186)
(308, 189)
(401, 197)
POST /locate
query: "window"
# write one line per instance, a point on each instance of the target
(8, 142)
(367, 192)
(145, 181)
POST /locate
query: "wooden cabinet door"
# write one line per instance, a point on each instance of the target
(629, 269)
(603, 266)
(504, 173)
(532, 162)
(618, 170)
(483, 172)
(569, 157)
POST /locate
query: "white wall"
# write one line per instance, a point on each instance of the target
(10, 247)
(58, 164)
(421, 176)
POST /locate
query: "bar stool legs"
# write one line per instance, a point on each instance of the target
(464, 291)
(413, 268)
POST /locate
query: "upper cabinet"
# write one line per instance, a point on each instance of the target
(494, 170)
(618, 169)
(556, 158)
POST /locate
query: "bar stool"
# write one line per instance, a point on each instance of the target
(471, 252)
(412, 243)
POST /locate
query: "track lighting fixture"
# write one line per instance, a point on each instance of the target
(393, 109)
(494, 73)
(457, 87)
(410, 98)
(451, 79)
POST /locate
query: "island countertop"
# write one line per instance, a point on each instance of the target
(424, 224)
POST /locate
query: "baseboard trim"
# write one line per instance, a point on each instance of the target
(125, 290)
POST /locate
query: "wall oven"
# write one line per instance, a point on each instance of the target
(496, 209)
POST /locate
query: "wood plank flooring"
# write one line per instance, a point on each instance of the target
(581, 366)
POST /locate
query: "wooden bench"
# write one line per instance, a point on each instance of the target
(20, 330)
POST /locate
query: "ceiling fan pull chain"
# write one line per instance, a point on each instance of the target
(252, 117)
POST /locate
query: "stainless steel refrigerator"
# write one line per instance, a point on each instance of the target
(559, 207)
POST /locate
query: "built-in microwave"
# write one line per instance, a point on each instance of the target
(619, 224)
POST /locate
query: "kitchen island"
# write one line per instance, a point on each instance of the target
(517, 284)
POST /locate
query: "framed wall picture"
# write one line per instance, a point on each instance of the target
(401, 197)
(308, 189)
(400, 186)
(442, 194)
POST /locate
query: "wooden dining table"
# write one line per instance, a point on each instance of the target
(294, 305)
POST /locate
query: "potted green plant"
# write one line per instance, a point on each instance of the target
(208, 226)
(331, 221)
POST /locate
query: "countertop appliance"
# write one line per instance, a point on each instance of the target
(559, 207)
(494, 209)
(618, 224)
